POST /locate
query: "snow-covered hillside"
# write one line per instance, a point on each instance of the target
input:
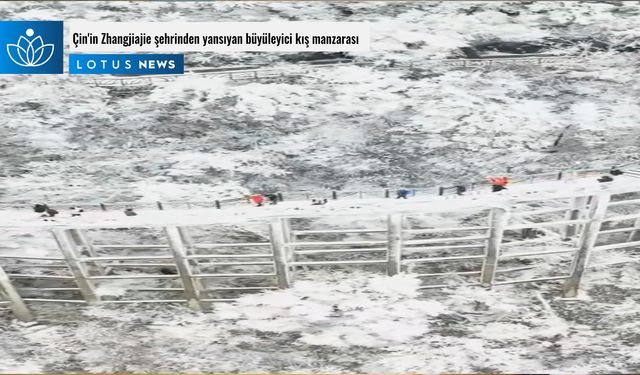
(384, 329)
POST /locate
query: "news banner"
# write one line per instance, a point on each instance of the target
(125, 48)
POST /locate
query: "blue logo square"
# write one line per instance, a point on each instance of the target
(31, 47)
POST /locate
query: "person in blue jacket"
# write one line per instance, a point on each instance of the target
(402, 193)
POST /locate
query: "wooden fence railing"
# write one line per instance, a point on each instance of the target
(469, 187)
(588, 220)
(255, 72)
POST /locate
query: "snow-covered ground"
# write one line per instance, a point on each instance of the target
(390, 122)
(385, 328)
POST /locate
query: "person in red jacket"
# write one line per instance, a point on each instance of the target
(498, 183)
(257, 199)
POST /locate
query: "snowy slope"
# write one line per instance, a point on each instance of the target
(384, 329)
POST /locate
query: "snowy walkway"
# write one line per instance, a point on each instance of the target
(342, 207)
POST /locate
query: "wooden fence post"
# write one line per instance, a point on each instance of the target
(394, 245)
(280, 256)
(179, 252)
(217, 204)
(160, 206)
(103, 207)
(334, 194)
(578, 205)
(288, 238)
(78, 269)
(498, 218)
(386, 193)
(16, 304)
(588, 238)
(80, 239)
(633, 236)
(200, 284)
(186, 239)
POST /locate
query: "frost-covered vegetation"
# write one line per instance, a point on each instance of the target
(383, 328)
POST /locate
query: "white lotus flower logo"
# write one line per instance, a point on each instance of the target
(30, 52)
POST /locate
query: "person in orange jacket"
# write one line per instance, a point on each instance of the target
(257, 199)
(498, 183)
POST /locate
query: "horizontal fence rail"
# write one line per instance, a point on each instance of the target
(565, 175)
(264, 71)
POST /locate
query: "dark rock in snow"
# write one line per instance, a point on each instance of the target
(415, 45)
(344, 11)
(509, 12)
(511, 47)
(480, 306)
(472, 10)
(168, 271)
(470, 52)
